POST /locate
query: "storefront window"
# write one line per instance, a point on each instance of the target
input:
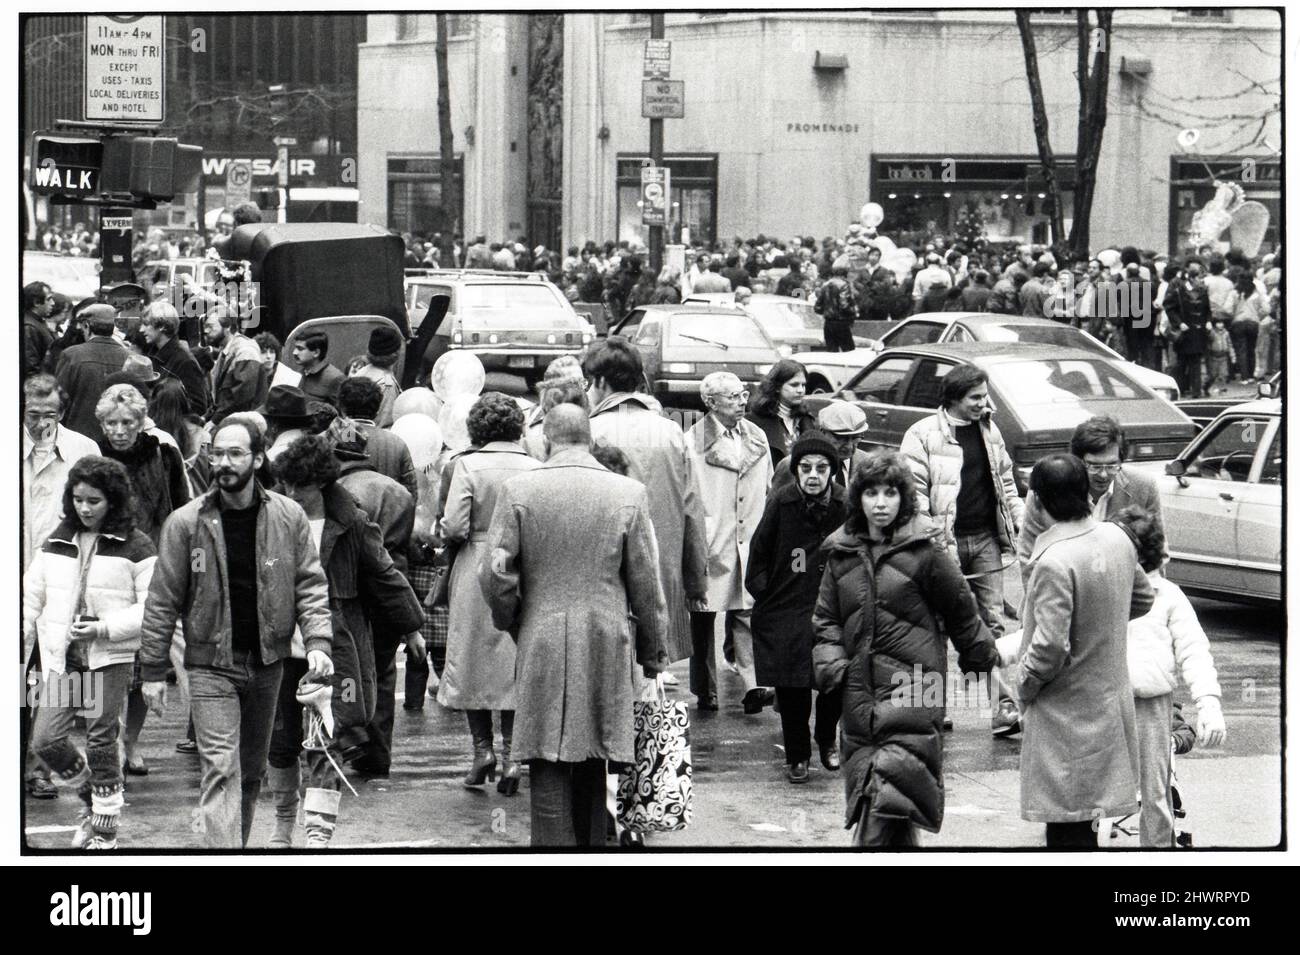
(1194, 185)
(415, 195)
(694, 191)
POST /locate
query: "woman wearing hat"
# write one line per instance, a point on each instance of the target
(159, 486)
(783, 574)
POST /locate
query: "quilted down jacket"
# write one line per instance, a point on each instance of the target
(878, 638)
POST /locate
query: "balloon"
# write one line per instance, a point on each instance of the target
(417, 401)
(457, 373)
(423, 438)
(900, 262)
(872, 215)
(1108, 258)
(885, 244)
(454, 421)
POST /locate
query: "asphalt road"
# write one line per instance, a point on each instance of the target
(741, 797)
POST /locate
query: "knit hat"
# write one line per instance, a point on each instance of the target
(814, 442)
(384, 341)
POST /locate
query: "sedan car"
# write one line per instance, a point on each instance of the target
(989, 327)
(1204, 410)
(1039, 394)
(792, 323)
(73, 276)
(681, 344)
(1222, 504)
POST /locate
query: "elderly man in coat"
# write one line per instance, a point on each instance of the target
(1079, 759)
(731, 467)
(572, 576)
(657, 457)
(844, 424)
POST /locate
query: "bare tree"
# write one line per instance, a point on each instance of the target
(1093, 78)
(446, 149)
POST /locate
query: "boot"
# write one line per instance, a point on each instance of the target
(283, 784)
(509, 784)
(484, 767)
(320, 812)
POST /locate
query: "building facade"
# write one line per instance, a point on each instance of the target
(794, 120)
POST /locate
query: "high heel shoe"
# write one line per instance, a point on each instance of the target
(483, 770)
(509, 784)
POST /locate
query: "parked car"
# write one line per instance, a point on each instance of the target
(1222, 503)
(988, 327)
(1039, 394)
(792, 323)
(1204, 410)
(74, 276)
(515, 322)
(681, 344)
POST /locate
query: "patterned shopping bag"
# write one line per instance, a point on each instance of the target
(654, 794)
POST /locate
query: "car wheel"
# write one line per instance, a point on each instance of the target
(817, 385)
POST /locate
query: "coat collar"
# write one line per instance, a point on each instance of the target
(504, 447)
(945, 426)
(69, 528)
(1060, 531)
(211, 500)
(573, 458)
(62, 443)
(708, 431)
(340, 513)
(627, 397)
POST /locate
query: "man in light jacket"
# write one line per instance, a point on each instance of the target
(238, 567)
(1079, 760)
(572, 520)
(966, 486)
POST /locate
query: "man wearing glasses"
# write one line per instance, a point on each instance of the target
(731, 468)
(1099, 443)
(228, 564)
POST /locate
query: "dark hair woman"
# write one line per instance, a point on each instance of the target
(83, 600)
(878, 641)
(778, 407)
(479, 676)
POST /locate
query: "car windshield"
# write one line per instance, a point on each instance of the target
(515, 305)
(711, 331)
(1063, 335)
(1052, 381)
(791, 316)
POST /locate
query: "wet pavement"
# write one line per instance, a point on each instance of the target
(741, 797)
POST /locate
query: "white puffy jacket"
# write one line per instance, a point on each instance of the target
(1167, 640)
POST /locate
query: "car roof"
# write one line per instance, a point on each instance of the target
(694, 308)
(1269, 406)
(982, 318)
(476, 276)
(773, 297)
(997, 353)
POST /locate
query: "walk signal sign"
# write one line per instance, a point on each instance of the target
(66, 165)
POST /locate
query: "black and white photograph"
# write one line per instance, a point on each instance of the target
(614, 432)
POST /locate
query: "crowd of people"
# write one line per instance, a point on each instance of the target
(273, 547)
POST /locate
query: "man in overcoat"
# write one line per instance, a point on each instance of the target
(572, 576)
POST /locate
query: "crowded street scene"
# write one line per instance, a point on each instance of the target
(620, 432)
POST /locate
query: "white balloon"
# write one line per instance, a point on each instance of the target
(886, 246)
(423, 437)
(457, 373)
(1108, 258)
(454, 421)
(872, 215)
(417, 401)
(900, 262)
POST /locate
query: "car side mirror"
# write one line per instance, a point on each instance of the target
(1176, 468)
(877, 345)
(1266, 389)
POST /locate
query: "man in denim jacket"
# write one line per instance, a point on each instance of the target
(228, 563)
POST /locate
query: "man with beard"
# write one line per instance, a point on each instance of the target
(239, 379)
(228, 563)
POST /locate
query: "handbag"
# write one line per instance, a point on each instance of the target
(654, 792)
(440, 590)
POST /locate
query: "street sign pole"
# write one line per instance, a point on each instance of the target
(115, 234)
(657, 158)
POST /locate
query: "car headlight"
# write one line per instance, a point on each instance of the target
(492, 339)
(762, 369)
(456, 337)
(679, 368)
(586, 338)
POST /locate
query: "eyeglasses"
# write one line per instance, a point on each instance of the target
(235, 455)
(736, 396)
(1103, 468)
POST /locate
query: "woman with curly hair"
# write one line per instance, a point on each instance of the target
(366, 591)
(878, 641)
(159, 485)
(479, 676)
(83, 601)
(778, 407)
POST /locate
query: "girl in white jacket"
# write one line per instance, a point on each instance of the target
(1165, 642)
(83, 599)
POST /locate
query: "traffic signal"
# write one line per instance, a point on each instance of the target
(66, 165)
(153, 168)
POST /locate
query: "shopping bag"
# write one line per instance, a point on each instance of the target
(654, 793)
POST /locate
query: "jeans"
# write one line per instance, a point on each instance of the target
(234, 711)
(981, 554)
(567, 802)
(101, 693)
(796, 704)
(704, 664)
(1155, 726)
(1245, 336)
(1071, 835)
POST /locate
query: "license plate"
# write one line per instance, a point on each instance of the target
(519, 361)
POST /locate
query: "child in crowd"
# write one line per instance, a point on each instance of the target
(1217, 356)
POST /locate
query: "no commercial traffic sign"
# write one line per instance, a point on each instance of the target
(125, 69)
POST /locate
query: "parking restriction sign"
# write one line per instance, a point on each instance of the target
(655, 188)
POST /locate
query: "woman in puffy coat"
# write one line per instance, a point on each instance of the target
(83, 599)
(875, 624)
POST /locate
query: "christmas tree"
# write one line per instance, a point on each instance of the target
(970, 226)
